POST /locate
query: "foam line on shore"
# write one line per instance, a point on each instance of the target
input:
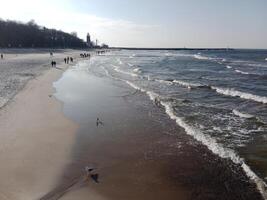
(208, 141)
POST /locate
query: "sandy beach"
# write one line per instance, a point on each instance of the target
(49, 136)
(36, 138)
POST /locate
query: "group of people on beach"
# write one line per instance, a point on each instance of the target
(85, 55)
(68, 59)
(100, 52)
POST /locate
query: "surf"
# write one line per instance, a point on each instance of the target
(206, 140)
(243, 95)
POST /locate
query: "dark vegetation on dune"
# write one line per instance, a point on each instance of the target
(30, 35)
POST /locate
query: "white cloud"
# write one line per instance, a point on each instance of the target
(55, 14)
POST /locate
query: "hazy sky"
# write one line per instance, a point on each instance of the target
(151, 23)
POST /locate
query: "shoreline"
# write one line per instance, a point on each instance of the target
(139, 150)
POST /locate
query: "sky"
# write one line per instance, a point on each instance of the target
(151, 23)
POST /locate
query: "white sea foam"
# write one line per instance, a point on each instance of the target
(256, 65)
(135, 86)
(137, 70)
(149, 78)
(117, 69)
(119, 61)
(241, 72)
(266, 59)
(243, 95)
(208, 141)
(183, 83)
(152, 95)
(186, 84)
(242, 115)
(200, 57)
(163, 81)
(106, 71)
(229, 67)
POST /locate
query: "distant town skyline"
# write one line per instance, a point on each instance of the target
(151, 23)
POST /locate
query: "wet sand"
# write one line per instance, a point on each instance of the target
(139, 153)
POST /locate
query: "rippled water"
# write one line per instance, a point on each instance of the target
(218, 97)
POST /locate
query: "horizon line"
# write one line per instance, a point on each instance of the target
(184, 48)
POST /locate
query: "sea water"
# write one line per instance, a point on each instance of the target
(219, 97)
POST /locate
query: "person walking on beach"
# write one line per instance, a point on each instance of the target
(65, 60)
(2, 56)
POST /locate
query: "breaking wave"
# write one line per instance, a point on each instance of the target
(182, 83)
(200, 57)
(207, 140)
(119, 61)
(186, 84)
(241, 72)
(224, 91)
(242, 115)
(243, 95)
(117, 69)
(137, 70)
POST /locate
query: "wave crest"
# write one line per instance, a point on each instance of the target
(117, 69)
(243, 95)
(241, 72)
(137, 70)
(242, 115)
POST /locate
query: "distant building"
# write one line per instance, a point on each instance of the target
(88, 40)
(104, 46)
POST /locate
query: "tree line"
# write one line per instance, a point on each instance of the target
(30, 35)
